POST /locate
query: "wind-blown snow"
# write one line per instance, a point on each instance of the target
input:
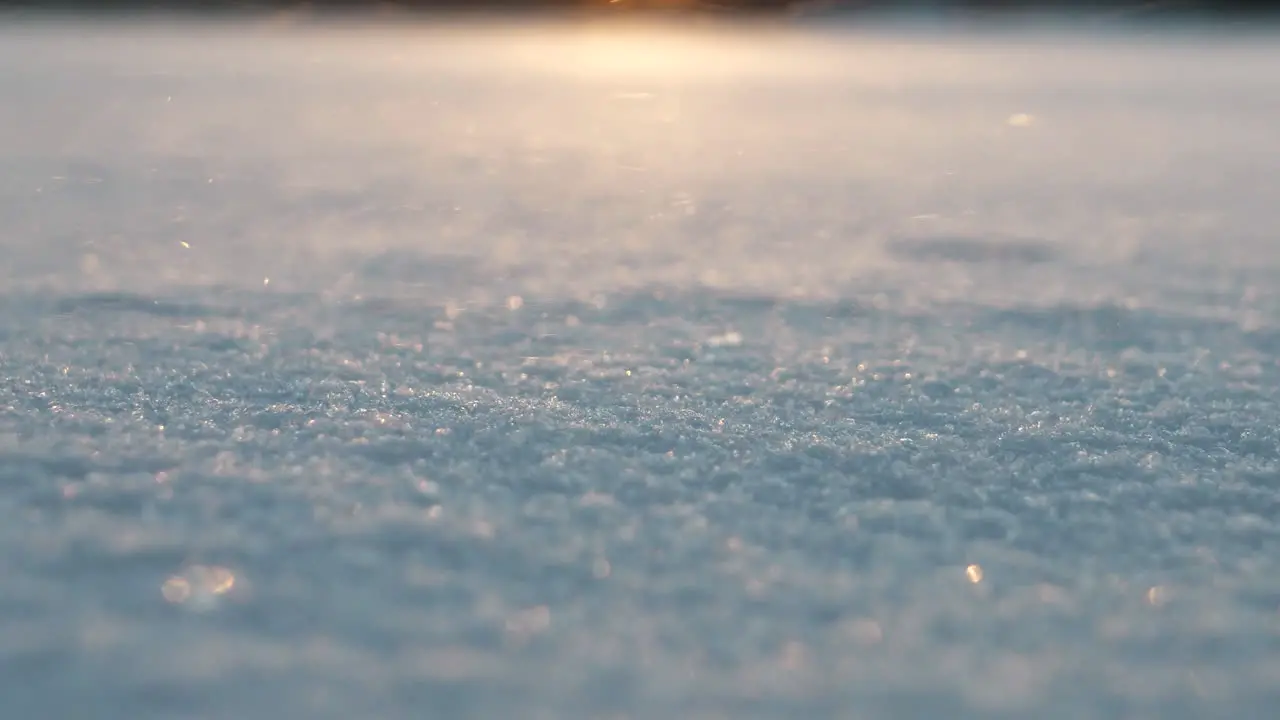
(556, 373)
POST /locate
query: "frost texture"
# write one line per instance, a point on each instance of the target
(484, 373)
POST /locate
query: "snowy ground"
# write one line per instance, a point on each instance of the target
(590, 373)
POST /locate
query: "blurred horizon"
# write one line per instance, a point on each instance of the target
(1140, 9)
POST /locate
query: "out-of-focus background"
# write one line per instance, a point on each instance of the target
(1202, 8)
(845, 362)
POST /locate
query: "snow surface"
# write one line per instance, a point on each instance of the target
(638, 373)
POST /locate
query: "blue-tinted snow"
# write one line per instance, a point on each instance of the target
(594, 373)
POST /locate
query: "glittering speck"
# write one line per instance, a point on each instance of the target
(865, 631)
(974, 573)
(522, 625)
(199, 586)
(176, 589)
(729, 339)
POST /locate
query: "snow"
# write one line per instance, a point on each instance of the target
(590, 372)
